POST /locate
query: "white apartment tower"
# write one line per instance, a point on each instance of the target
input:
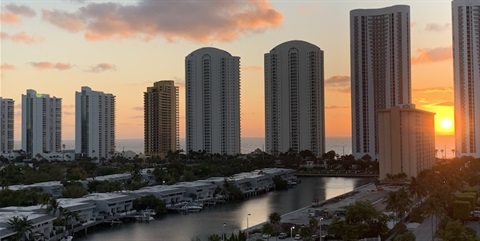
(94, 123)
(294, 98)
(380, 70)
(41, 124)
(6, 125)
(161, 118)
(466, 61)
(212, 78)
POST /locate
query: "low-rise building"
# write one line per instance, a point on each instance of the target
(170, 195)
(42, 223)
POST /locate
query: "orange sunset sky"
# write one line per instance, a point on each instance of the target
(121, 47)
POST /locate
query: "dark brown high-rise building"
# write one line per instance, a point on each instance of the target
(161, 118)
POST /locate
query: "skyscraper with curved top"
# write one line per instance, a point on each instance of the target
(212, 83)
(380, 70)
(294, 98)
(466, 61)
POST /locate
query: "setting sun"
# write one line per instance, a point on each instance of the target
(446, 124)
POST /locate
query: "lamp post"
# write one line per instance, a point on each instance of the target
(291, 231)
(321, 229)
(223, 231)
(247, 225)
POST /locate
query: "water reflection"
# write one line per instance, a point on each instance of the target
(179, 227)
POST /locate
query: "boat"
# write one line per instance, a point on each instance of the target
(192, 207)
(68, 238)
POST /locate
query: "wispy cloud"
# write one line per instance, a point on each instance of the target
(435, 27)
(171, 20)
(21, 37)
(138, 108)
(337, 107)
(7, 66)
(252, 68)
(427, 55)
(11, 13)
(435, 90)
(447, 103)
(340, 83)
(51, 65)
(101, 67)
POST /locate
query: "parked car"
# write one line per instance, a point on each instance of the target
(297, 237)
(282, 235)
(266, 235)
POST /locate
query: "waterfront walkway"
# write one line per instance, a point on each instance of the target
(368, 192)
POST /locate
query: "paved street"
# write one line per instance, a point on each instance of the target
(424, 231)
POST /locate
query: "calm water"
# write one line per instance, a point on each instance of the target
(341, 145)
(181, 227)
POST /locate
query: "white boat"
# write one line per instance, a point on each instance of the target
(192, 207)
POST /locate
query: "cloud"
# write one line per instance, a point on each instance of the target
(427, 55)
(442, 90)
(21, 37)
(171, 20)
(252, 68)
(51, 65)
(68, 112)
(447, 103)
(337, 107)
(138, 108)
(435, 27)
(21, 10)
(340, 83)
(7, 66)
(10, 14)
(101, 67)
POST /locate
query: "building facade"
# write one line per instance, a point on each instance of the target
(212, 78)
(94, 124)
(6, 125)
(41, 124)
(294, 98)
(380, 70)
(466, 59)
(161, 126)
(407, 141)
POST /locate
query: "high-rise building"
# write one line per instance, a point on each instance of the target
(466, 62)
(94, 124)
(380, 70)
(41, 124)
(407, 141)
(6, 125)
(161, 118)
(212, 78)
(294, 98)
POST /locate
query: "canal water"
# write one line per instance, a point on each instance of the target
(185, 227)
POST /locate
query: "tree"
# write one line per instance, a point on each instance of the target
(362, 220)
(405, 236)
(21, 226)
(398, 202)
(454, 230)
(417, 189)
(275, 219)
(52, 206)
(267, 228)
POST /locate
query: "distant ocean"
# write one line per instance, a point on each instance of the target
(338, 144)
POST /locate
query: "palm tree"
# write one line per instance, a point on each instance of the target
(275, 219)
(52, 206)
(68, 216)
(417, 189)
(398, 202)
(21, 226)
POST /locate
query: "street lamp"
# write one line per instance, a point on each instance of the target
(247, 224)
(291, 231)
(223, 231)
(321, 229)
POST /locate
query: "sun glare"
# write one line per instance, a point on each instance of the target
(446, 124)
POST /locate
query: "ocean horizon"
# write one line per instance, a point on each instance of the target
(341, 145)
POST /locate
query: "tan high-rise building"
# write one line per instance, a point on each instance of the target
(161, 119)
(406, 140)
